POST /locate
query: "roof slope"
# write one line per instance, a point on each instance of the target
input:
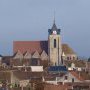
(77, 75)
(32, 46)
(57, 68)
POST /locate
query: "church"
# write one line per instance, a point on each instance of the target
(47, 61)
(51, 50)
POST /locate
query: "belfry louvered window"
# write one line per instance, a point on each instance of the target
(54, 43)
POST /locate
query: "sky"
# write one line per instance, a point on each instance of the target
(30, 20)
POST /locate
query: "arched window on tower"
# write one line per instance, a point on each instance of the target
(54, 43)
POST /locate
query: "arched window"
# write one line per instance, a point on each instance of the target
(54, 43)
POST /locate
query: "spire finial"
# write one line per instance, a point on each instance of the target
(54, 17)
(54, 27)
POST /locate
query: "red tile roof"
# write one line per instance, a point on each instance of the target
(55, 87)
(77, 75)
(30, 46)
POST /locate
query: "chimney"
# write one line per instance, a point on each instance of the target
(63, 82)
(56, 80)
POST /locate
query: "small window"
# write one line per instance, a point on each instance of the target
(54, 43)
(67, 58)
(72, 79)
(66, 77)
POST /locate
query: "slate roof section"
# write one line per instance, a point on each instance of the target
(6, 59)
(54, 28)
(57, 69)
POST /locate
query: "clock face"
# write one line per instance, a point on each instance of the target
(54, 32)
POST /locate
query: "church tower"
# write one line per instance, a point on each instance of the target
(54, 46)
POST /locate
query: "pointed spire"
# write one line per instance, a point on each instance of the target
(54, 27)
(54, 17)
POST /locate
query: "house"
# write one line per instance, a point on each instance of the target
(77, 65)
